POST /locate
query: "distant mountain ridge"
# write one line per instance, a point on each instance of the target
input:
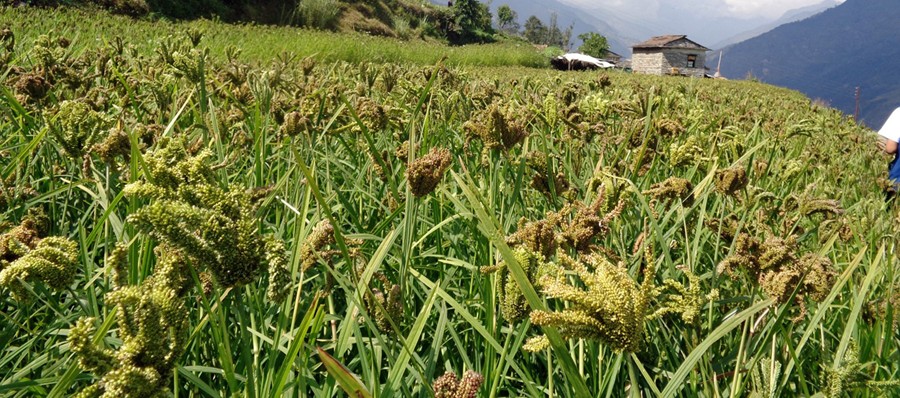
(827, 56)
(670, 18)
(788, 17)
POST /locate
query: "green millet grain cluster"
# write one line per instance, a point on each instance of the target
(199, 225)
(687, 153)
(279, 274)
(576, 226)
(611, 307)
(53, 261)
(513, 305)
(28, 255)
(851, 374)
(153, 325)
(215, 227)
(687, 301)
(78, 127)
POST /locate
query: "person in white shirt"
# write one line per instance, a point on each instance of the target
(890, 134)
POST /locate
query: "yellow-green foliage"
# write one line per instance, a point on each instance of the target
(53, 261)
(155, 138)
(850, 375)
(684, 300)
(153, 325)
(611, 307)
(214, 226)
(512, 302)
(79, 127)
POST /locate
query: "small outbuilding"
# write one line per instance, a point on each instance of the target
(669, 55)
(612, 57)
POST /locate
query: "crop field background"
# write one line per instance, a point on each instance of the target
(202, 210)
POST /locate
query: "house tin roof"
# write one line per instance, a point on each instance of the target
(667, 42)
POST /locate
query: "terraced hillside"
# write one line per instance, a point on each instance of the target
(200, 214)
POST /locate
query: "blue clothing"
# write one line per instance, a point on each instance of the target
(894, 170)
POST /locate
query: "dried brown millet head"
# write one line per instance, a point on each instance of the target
(820, 275)
(32, 85)
(24, 237)
(731, 180)
(672, 188)
(115, 144)
(445, 386)
(424, 174)
(294, 124)
(669, 127)
(402, 152)
(449, 386)
(538, 236)
(469, 385)
(321, 236)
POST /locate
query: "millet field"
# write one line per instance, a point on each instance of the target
(207, 210)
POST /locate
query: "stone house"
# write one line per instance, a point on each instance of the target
(669, 55)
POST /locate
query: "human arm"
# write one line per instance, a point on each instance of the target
(890, 147)
(890, 133)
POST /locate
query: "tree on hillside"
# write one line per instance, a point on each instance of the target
(555, 37)
(506, 19)
(567, 38)
(551, 35)
(594, 44)
(471, 22)
(535, 31)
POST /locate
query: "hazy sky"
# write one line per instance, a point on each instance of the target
(731, 8)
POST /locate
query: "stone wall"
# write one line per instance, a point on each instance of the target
(662, 62)
(650, 63)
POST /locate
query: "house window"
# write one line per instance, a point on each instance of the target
(692, 61)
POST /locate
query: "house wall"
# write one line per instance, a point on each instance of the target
(648, 62)
(661, 62)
